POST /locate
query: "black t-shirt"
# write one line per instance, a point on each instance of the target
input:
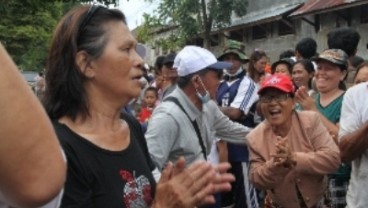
(101, 178)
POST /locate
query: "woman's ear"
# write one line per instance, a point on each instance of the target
(84, 64)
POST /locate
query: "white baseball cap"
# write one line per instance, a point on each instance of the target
(192, 59)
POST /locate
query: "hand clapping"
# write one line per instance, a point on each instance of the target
(191, 186)
(302, 97)
(283, 156)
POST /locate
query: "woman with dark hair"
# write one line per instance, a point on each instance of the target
(283, 66)
(93, 70)
(302, 75)
(332, 65)
(257, 64)
(361, 74)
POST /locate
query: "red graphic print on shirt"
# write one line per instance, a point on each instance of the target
(137, 190)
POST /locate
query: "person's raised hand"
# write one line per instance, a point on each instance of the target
(302, 97)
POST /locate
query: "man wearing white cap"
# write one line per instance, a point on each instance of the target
(188, 120)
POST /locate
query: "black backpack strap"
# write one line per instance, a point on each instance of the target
(194, 123)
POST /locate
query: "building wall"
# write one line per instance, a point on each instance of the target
(274, 44)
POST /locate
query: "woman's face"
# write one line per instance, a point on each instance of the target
(301, 76)
(362, 75)
(118, 69)
(328, 76)
(260, 65)
(277, 107)
(282, 69)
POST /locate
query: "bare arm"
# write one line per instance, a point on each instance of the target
(352, 145)
(332, 128)
(32, 168)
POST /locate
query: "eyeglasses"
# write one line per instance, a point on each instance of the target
(91, 11)
(278, 98)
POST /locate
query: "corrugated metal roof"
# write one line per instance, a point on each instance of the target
(266, 15)
(319, 6)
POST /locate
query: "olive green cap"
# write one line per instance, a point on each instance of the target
(235, 47)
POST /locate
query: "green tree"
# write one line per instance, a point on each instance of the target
(26, 28)
(196, 18)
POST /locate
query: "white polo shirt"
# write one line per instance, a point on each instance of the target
(354, 113)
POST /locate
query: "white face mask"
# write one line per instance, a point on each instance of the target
(206, 97)
(240, 70)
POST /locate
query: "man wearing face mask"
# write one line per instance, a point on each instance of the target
(188, 120)
(237, 97)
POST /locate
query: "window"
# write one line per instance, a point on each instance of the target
(237, 35)
(259, 32)
(285, 28)
(364, 14)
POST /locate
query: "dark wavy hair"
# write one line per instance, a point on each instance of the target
(308, 66)
(78, 30)
(364, 64)
(307, 47)
(346, 39)
(255, 56)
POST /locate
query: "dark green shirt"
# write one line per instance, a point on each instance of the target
(333, 110)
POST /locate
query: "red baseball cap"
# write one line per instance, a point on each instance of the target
(277, 81)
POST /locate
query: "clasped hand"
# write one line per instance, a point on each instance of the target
(283, 156)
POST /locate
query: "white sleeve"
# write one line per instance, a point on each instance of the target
(246, 95)
(350, 116)
(226, 129)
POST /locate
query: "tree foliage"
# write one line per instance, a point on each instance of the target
(25, 29)
(195, 18)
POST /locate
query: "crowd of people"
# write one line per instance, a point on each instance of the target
(197, 131)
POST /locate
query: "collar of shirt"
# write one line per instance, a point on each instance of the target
(187, 104)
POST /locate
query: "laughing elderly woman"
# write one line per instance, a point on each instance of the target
(290, 152)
